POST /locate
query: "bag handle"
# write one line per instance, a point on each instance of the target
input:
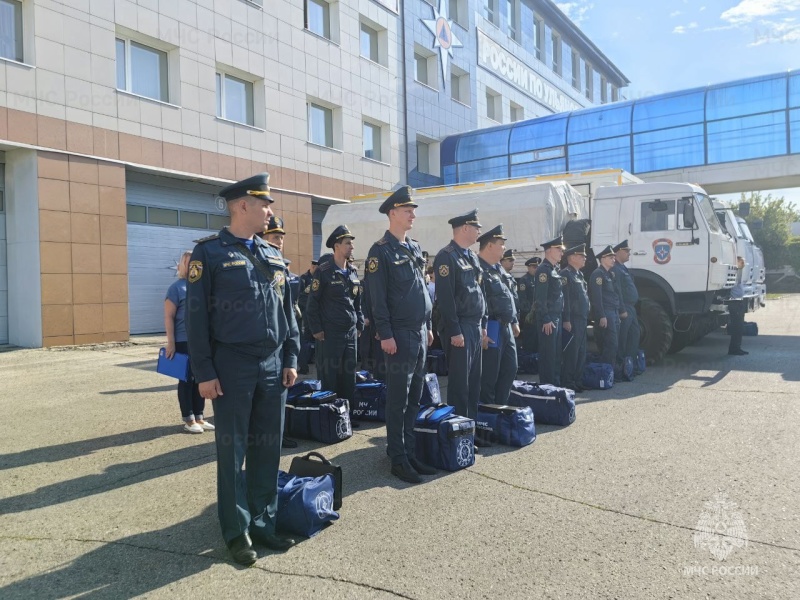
(324, 460)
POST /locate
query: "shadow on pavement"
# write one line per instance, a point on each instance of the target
(159, 388)
(131, 566)
(114, 477)
(49, 454)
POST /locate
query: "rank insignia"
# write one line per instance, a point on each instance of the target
(444, 270)
(195, 271)
(543, 278)
(372, 264)
(315, 285)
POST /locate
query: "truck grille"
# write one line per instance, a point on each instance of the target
(731, 280)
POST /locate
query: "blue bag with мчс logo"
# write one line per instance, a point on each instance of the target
(598, 376)
(369, 401)
(305, 504)
(431, 395)
(507, 425)
(444, 440)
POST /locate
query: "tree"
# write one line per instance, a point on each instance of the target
(775, 234)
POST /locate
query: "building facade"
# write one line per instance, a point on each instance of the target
(120, 121)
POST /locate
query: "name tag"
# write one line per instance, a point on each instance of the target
(465, 266)
(337, 282)
(402, 261)
(234, 263)
(276, 262)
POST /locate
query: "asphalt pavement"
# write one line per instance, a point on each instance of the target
(681, 484)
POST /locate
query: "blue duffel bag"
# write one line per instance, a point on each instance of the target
(307, 386)
(527, 363)
(507, 425)
(305, 504)
(598, 376)
(551, 405)
(369, 401)
(319, 416)
(444, 440)
(430, 391)
(641, 362)
(624, 370)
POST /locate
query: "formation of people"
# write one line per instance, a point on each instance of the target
(249, 322)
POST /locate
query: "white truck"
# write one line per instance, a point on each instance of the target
(682, 262)
(754, 274)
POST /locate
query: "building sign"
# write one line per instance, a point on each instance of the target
(500, 62)
(443, 36)
(390, 4)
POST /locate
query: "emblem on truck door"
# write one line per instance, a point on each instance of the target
(662, 251)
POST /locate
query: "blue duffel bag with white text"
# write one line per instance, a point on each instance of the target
(444, 440)
(369, 401)
(305, 504)
(551, 405)
(507, 425)
(598, 376)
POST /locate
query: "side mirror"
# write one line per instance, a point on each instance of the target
(744, 209)
(756, 225)
(688, 216)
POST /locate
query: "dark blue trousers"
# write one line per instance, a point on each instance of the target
(306, 339)
(405, 373)
(608, 338)
(336, 362)
(629, 334)
(574, 355)
(499, 368)
(550, 354)
(249, 426)
(464, 370)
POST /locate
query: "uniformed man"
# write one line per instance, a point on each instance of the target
(549, 304)
(606, 307)
(526, 288)
(576, 317)
(274, 232)
(243, 343)
(462, 310)
(508, 266)
(499, 358)
(401, 313)
(333, 314)
(629, 331)
(305, 334)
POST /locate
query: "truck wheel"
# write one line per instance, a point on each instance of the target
(656, 327)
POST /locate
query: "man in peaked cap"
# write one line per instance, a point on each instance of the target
(508, 266)
(576, 317)
(334, 316)
(529, 338)
(499, 358)
(305, 335)
(274, 232)
(243, 343)
(462, 309)
(401, 316)
(629, 331)
(606, 306)
(549, 305)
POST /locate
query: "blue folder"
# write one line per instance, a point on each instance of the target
(493, 331)
(177, 366)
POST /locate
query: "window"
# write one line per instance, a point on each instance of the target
(428, 157)
(320, 125)
(142, 70)
(234, 99)
(137, 214)
(576, 70)
(517, 113)
(556, 40)
(174, 218)
(194, 220)
(589, 82)
(489, 11)
(458, 13)
(511, 19)
(318, 17)
(369, 42)
(425, 67)
(162, 216)
(614, 93)
(603, 90)
(218, 221)
(658, 215)
(372, 141)
(538, 37)
(459, 85)
(11, 30)
(494, 108)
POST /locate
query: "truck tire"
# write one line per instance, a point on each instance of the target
(656, 327)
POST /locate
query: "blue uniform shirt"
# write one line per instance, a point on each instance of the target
(576, 299)
(499, 299)
(334, 302)
(230, 301)
(548, 295)
(603, 293)
(397, 291)
(626, 288)
(458, 288)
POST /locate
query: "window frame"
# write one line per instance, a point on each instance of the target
(493, 103)
(327, 111)
(459, 76)
(375, 128)
(374, 42)
(164, 60)
(19, 31)
(328, 23)
(220, 76)
(555, 41)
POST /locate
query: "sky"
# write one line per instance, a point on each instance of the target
(667, 45)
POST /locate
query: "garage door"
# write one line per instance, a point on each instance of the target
(3, 262)
(164, 217)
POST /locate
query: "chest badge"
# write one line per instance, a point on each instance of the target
(195, 271)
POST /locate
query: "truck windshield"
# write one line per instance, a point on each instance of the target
(704, 204)
(746, 231)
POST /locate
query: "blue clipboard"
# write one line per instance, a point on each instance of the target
(493, 331)
(177, 366)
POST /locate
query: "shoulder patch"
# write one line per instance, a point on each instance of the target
(444, 270)
(213, 236)
(521, 287)
(543, 278)
(315, 285)
(599, 281)
(195, 271)
(372, 264)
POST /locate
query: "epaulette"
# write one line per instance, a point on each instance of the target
(382, 241)
(213, 236)
(325, 266)
(273, 245)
